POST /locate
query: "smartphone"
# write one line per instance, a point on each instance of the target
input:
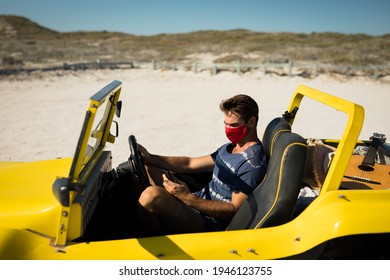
(169, 175)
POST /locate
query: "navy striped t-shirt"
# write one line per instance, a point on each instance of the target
(241, 172)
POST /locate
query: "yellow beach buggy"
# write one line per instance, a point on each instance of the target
(82, 208)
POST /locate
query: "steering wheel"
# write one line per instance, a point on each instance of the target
(136, 163)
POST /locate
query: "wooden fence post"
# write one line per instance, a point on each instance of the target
(215, 70)
(290, 66)
(316, 67)
(376, 72)
(347, 72)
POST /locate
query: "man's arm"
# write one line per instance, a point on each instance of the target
(219, 209)
(178, 164)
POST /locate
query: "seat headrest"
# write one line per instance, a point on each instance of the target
(273, 130)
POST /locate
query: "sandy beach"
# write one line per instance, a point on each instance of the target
(169, 112)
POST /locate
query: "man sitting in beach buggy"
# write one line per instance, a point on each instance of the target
(238, 195)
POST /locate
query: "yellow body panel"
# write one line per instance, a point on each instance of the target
(26, 200)
(330, 216)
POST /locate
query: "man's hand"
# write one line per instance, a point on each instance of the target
(144, 153)
(179, 189)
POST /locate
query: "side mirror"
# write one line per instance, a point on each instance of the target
(60, 190)
(118, 109)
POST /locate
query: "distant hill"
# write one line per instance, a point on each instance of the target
(25, 42)
(12, 27)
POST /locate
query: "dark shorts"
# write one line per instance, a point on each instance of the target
(211, 223)
(187, 220)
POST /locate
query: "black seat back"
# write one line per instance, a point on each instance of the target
(275, 128)
(273, 201)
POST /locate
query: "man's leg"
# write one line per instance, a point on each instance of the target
(159, 209)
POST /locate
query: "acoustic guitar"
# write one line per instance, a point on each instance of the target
(364, 173)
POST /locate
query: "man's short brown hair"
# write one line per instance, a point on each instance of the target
(242, 105)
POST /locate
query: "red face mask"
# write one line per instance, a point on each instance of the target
(236, 134)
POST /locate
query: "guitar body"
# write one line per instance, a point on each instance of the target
(377, 177)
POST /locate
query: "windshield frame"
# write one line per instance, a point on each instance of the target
(85, 154)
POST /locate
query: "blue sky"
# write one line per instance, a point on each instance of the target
(149, 17)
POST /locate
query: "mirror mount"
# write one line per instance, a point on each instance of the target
(118, 106)
(61, 189)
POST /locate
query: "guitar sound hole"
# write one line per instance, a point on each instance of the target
(366, 167)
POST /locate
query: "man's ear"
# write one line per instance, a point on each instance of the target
(252, 121)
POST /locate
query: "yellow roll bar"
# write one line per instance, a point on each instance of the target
(355, 114)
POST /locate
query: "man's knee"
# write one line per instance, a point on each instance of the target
(152, 198)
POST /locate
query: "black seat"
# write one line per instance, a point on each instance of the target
(274, 129)
(273, 201)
